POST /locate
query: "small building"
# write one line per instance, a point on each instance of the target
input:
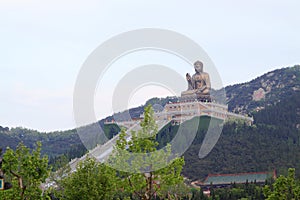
(226, 180)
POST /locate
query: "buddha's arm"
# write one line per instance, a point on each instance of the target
(189, 80)
(207, 81)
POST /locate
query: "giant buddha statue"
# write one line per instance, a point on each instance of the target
(198, 84)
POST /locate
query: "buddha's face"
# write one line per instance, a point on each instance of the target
(198, 67)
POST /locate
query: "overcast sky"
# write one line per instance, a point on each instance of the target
(43, 45)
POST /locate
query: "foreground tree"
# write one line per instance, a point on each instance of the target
(91, 180)
(26, 170)
(284, 187)
(145, 171)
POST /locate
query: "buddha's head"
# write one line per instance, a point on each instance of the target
(198, 65)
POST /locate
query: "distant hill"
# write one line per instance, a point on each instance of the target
(263, 91)
(273, 141)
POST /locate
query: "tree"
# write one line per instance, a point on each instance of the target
(26, 170)
(146, 172)
(91, 180)
(283, 187)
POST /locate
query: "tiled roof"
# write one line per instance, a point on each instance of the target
(219, 179)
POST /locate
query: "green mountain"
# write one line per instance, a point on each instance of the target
(271, 143)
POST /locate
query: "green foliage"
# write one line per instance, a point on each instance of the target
(74, 151)
(91, 180)
(161, 101)
(59, 162)
(146, 170)
(246, 191)
(285, 113)
(284, 188)
(197, 194)
(26, 170)
(111, 130)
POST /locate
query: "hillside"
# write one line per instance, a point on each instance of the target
(263, 91)
(272, 143)
(54, 143)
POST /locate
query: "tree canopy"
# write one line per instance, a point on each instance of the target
(26, 170)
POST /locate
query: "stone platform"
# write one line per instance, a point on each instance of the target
(194, 96)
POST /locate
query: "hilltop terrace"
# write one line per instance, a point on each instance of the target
(179, 112)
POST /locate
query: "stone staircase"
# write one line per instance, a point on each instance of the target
(102, 152)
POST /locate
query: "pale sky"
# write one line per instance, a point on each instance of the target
(43, 45)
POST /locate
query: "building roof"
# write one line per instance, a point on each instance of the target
(224, 179)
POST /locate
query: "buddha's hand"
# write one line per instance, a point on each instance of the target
(188, 77)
